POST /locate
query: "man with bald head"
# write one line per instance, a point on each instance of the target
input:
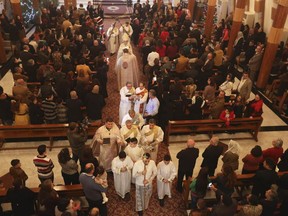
(187, 159)
(211, 155)
(92, 190)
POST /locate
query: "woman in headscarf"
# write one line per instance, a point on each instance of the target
(231, 156)
(238, 43)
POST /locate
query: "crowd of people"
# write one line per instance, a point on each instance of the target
(134, 165)
(66, 54)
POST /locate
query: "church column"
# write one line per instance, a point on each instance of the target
(237, 21)
(274, 38)
(191, 6)
(209, 18)
(3, 57)
(16, 8)
(68, 3)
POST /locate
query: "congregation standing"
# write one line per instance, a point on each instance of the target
(170, 52)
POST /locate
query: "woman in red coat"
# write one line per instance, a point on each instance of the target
(254, 107)
(227, 115)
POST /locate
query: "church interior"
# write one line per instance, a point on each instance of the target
(271, 76)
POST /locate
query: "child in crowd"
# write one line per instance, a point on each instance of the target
(17, 172)
(101, 178)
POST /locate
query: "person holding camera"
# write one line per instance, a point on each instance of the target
(77, 136)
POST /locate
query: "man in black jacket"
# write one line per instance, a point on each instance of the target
(263, 179)
(211, 155)
(187, 159)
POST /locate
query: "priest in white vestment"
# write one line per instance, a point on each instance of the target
(127, 69)
(151, 136)
(113, 39)
(136, 118)
(121, 168)
(141, 99)
(125, 44)
(166, 173)
(129, 131)
(126, 31)
(109, 139)
(127, 95)
(144, 171)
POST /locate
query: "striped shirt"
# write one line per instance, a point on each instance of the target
(44, 166)
(50, 110)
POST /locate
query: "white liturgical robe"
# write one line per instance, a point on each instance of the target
(127, 70)
(113, 36)
(165, 172)
(144, 192)
(125, 103)
(108, 151)
(129, 133)
(122, 179)
(150, 140)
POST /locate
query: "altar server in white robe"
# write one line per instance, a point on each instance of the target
(151, 136)
(134, 151)
(113, 39)
(166, 173)
(141, 99)
(127, 94)
(144, 171)
(121, 168)
(129, 131)
(108, 138)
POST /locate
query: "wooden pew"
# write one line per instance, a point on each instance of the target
(68, 191)
(243, 180)
(213, 125)
(38, 131)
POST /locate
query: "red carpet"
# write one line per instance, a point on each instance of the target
(116, 206)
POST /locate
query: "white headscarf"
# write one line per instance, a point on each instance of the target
(234, 147)
(239, 36)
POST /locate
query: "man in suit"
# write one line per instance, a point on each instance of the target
(255, 63)
(187, 159)
(244, 87)
(211, 155)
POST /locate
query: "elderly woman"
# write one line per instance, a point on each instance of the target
(275, 152)
(231, 156)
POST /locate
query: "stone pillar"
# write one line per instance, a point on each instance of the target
(274, 38)
(191, 6)
(236, 25)
(16, 8)
(259, 9)
(3, 57)
(68, 3)
(209, 18)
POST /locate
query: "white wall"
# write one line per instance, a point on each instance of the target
(267, 17)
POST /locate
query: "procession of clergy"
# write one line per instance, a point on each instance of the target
(131, 152)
